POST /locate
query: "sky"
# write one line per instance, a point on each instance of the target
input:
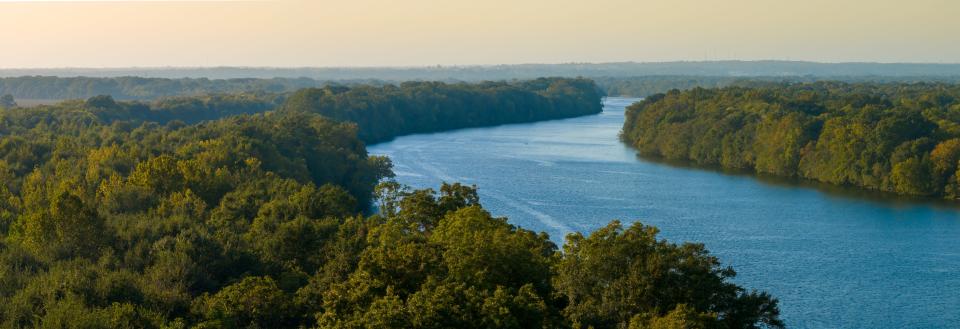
(298, 33)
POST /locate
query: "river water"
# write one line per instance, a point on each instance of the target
(833, 259)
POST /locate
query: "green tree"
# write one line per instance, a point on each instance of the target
(617, 274)
(68, 229)
(682, 317)
(7, 101)
(102, 102)
(858, 134)
(912, 176)
(254, 302)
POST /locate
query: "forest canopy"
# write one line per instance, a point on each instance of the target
(380, 111)
(50, 89)
(213, 212)
(137, 88)
(645, 86)
(894, 137)
(417, 107)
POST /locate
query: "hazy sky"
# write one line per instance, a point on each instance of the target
(62, 33)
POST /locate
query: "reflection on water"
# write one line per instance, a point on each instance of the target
(835, 257)
(852, 192)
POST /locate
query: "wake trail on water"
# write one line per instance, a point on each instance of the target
(430, 168)
(540, 216)
(417, 159)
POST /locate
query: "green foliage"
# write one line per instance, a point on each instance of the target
(417, 107)
(69, 229)
(254, 302)
(7, 101)
(616, 274)
(463, 269)
(647, 85)
(131, 88)
(682, 317)
(890, 137)
(111, 224)
(111, 220)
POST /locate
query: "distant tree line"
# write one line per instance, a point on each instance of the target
(137, 88)
(185, 109)
(48, 89)
(109, 219)
(381, 112)
(417, 107)
(644, 86)
(901, 138)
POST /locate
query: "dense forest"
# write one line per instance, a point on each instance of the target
(902, 138)
(182, 109)
(417, 107)
(50, 89)
(137, 88)
(644, 86)
(111, 219)
(652, 85)
(381, 111)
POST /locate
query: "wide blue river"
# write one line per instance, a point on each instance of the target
(834, 259)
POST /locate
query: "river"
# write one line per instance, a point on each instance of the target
(832, 259)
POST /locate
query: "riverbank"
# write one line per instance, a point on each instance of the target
(833, 260)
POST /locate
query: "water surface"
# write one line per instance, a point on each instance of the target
(833, 260)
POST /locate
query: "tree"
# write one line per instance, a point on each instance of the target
(943, 159)
(7, 101)
(68, 229)
(254, 302)
(102, 102)
(912, 176)
(129, 214)
(617, 274)
(682, 317)
(859, 134)
(160, 174)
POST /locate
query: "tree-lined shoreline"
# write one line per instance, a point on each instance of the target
(898, 138)
(220, 212)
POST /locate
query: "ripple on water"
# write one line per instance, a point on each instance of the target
(833, 258)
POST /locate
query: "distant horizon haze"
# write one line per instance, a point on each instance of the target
(450, 66)
(902, 71)
(417, 33)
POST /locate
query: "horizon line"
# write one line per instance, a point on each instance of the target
(427, 66)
